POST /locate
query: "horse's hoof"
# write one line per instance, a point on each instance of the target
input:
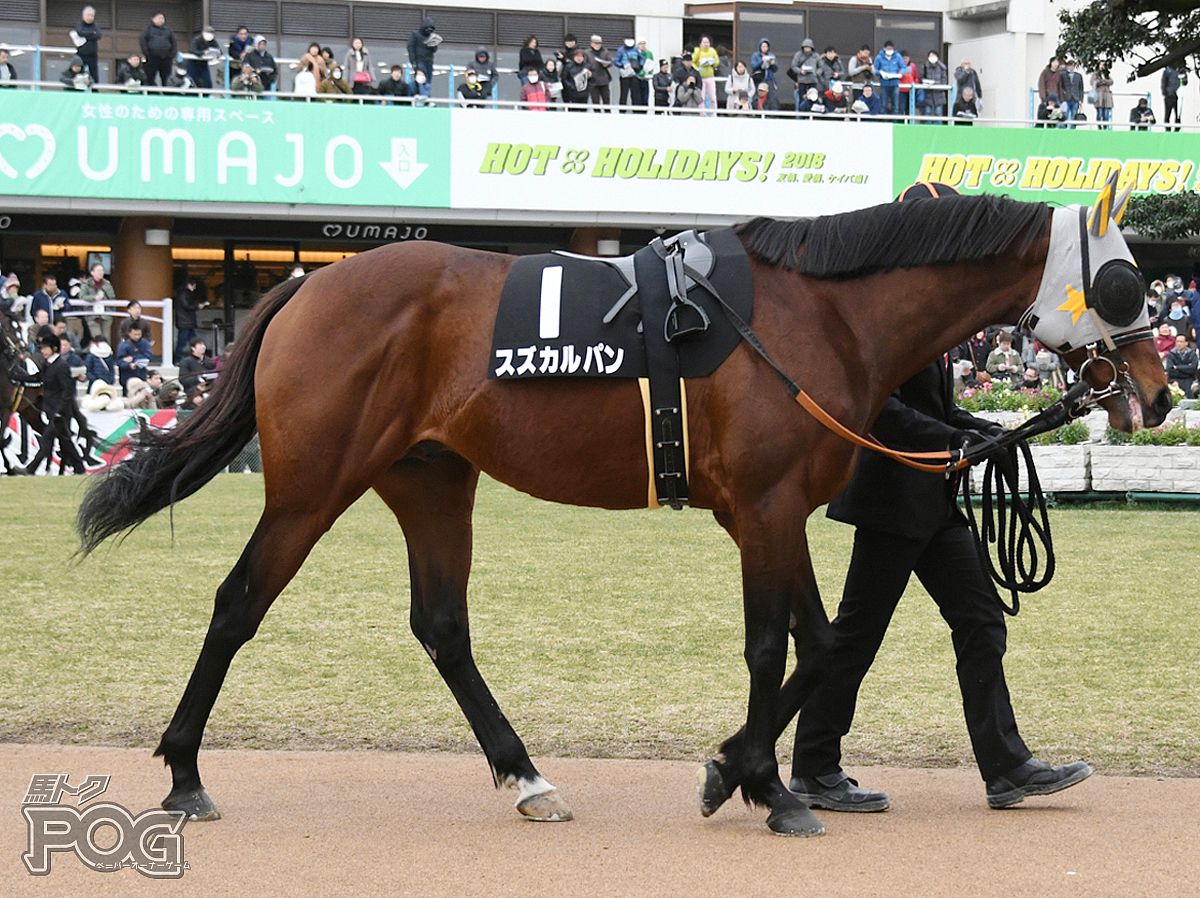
(196, 804)
(711, 788)
(545, 807)
(795, 822)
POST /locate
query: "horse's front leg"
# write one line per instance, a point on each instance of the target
(717, 779)
(776, 575)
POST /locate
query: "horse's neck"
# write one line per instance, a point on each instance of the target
(902, 336)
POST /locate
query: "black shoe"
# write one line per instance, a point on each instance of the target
(22, 471)
(1034, 777)
(837, 792)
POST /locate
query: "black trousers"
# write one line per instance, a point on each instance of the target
(949, 568)
(1171, 106)
(58, 430)
(601, 95)
(159, 67)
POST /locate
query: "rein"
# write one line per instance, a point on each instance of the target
(1015, 524)
(1067, 408)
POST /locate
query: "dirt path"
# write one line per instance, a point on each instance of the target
(375, 823)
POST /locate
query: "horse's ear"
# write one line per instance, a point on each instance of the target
(1102, 211)
(1119, 207)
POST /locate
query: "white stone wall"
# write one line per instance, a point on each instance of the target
(1154, 469)
(1059, 469)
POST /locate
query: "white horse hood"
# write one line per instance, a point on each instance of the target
(1070, 300)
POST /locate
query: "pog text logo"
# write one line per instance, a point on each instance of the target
(104, 836)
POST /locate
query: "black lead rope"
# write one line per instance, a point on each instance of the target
(1018, 526)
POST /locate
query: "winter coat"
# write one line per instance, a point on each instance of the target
(138, 394)
(874, 104)
(238, 48)
(935, 73)
(187, 304)
(1071, 86)
(205, 49)
(335, 86)
(99, 364)
(250, 84)
(88, 290)
(834, 103)
(632, 57)
(968, 78)
(418, 50)
(829, 70)
(1181, 364)
(529, 58)
(705, 61)
(571, 70)
(139, 352)
(1169, 82)
(134, 76)
(469, 91)
(689, 97)
(600, 63)
(760, 69)
(91, 34)
(351, 68)
(768, 103)
(484, 68)
(264, 64)
(536, 96)
(390, 87)
(803, 69)
(662, 82)
(1102, 84)
(74, 80)
(860, 72)
(157, 43)
(889, 68)
(1049, 82)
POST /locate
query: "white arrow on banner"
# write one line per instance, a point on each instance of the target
(403, 166)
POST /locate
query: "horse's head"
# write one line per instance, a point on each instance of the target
(1091, 309)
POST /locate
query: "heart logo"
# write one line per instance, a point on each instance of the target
(7, 129)
(331, 230)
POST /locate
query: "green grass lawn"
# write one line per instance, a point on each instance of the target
(607, 634)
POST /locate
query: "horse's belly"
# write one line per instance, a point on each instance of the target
(576, 441)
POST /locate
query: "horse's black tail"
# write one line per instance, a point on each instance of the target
(169, 465)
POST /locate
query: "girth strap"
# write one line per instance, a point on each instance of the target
(662, 366)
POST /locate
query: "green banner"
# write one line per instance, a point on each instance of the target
(1045, 164)
(246, 150)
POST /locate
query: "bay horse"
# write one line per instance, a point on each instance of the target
(850, 305)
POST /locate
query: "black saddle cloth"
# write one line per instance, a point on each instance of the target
(533, 339)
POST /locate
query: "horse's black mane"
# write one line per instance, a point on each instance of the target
(897, 235)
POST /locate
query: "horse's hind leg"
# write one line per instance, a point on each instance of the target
(279, 545)
(432, 494)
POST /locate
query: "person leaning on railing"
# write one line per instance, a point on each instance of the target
(7, 71)
(263, 61)
(247, 82)
(132, 74)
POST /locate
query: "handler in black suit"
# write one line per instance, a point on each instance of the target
(908, 522)
(58, 402)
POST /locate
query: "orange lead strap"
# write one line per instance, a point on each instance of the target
(949, 463)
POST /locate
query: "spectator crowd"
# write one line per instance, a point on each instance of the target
(578, 75)
(53, 324)
(1004, 355)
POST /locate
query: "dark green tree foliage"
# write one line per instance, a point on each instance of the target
(1167, 216)
(1143, 32)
